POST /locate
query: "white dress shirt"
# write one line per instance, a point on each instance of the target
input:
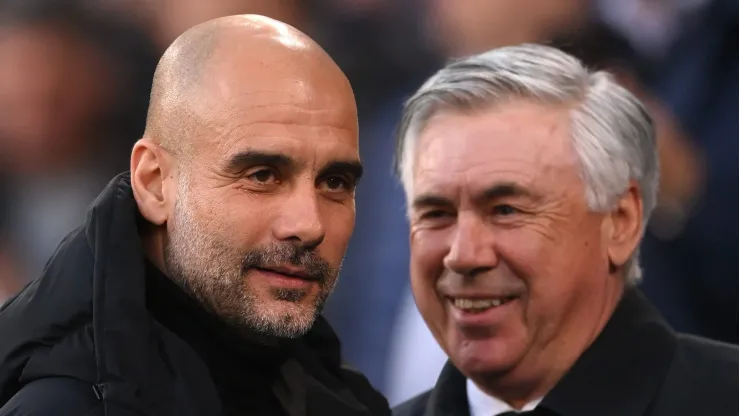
(482, 404)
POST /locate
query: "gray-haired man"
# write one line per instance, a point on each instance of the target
(530, 181)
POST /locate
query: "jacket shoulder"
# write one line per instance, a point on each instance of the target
(415, 406)
(47, 311)
(364, 391)
(702, 379)
(705, 355)
(54, 397)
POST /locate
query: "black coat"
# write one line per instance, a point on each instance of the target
(81, 340)
(636, 367)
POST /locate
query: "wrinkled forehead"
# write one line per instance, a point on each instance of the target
(519, 143)
(241, 102)
(282, 124)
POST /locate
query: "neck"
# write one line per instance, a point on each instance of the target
(548, 361)
(153, 240)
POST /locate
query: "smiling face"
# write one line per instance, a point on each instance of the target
(265, 197)
(509, 267)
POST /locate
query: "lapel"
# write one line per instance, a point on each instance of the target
(449, 396)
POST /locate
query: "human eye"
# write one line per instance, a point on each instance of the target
(263, 176)
(504, 210)
(337, 183)
(434, 218)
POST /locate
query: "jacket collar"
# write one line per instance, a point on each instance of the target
(95, 277)
(619, 374)
(122, 325)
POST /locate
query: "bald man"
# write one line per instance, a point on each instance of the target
(196, 284)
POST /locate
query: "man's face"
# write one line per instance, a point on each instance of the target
(265, 209)
(505, 255)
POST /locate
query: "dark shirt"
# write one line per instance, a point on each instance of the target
(242, 369)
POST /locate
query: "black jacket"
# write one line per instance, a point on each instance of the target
(81, 340)
(636, 367)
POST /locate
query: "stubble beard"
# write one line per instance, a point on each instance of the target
(214, 274)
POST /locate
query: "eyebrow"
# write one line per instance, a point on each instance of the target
(248, 158)
(503, 190)
(430, 200)
(496, 191)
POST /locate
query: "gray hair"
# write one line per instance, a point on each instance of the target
(613, 135)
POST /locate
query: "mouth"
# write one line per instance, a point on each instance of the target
(479, 305)
(286, 277)
(295, 273)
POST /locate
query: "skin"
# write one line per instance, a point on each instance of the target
(498, 210)
(247, 172)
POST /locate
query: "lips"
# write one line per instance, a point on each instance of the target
(293, 272)
(479, 304)
(470, 302)
(482, 316)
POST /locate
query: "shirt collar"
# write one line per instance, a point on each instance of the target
(483, 404)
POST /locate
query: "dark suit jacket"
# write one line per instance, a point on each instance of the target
(638, 366)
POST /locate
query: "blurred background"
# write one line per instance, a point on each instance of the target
(74, 85)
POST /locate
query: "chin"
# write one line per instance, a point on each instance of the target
(283, 323)
(302, 311)
(487, 356)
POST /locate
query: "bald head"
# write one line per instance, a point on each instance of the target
(228, 59)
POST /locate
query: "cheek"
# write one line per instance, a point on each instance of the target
(225, 213)
(540, 261)
(528, 253)
(339, 223)
(428, 250)
(556, 268)
(238, 217)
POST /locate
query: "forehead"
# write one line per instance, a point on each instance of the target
(519, 142)
(284, 111)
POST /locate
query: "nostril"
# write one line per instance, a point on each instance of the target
(477, 272)
(312, 244)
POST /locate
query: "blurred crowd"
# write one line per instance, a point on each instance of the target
(74, 88)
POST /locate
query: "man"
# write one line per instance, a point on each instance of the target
(456, 29)
(530, 181)
(195, 286)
